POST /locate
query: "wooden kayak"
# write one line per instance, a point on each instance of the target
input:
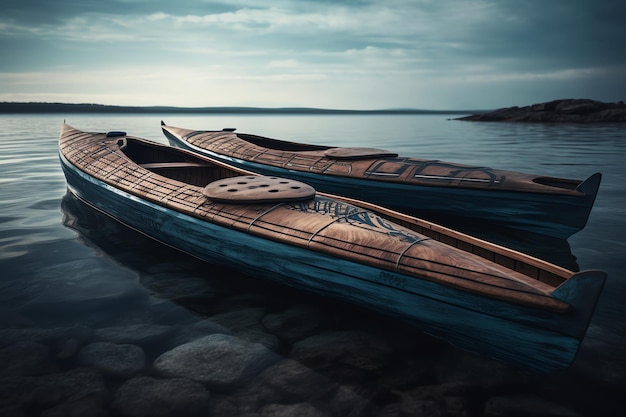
(432, 189)
(477, 295)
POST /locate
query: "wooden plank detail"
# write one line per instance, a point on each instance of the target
(358, 153)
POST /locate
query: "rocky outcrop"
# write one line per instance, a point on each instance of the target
(557, 111)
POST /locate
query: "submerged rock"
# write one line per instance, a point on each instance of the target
(288, 410)
(240, 319)
(137, 334)
(117, 360)
(294, 323)
(55, 337)
(357, 349)
(221, 362)
(289, 381)
(525, 405)
(25, 358)
(454, 399)
(150, 397)
(92, 405)
(59, 391)
(557, 111)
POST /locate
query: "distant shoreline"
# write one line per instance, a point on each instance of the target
(21, 108)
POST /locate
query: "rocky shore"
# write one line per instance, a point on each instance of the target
(557, 111)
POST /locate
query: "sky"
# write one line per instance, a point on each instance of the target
(339, 54)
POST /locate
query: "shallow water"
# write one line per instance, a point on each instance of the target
(63, 263)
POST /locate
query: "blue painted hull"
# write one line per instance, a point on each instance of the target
(556, 215)
(537, 339)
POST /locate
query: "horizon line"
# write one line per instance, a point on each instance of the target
(51, 107)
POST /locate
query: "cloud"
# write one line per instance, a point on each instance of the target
(402, 53)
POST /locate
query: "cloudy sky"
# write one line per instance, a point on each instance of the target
(346, 54)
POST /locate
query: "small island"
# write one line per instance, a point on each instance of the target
(557, 111)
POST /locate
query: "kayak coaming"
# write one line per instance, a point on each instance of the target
(536, 338)
(548, 205)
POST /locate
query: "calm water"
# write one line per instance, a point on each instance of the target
(58, 258)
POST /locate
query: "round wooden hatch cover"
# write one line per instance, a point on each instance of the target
(258, 189)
